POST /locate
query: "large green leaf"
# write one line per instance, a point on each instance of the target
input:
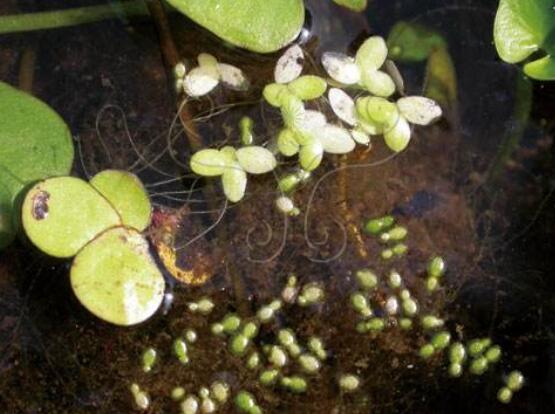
(522, 26)
(34, 141)
(262, 26)
(115, 277)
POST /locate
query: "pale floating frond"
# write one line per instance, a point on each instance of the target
(377, 82)
(256, 159)
(233, 77)
(287, 143)
(370, 128)
(308, 87)
(207, 60)
(290, 65)
(397, 138)
(208, 162)
(419, 110)
(335, 140)
(199, 82)
(234, 182)
(274, 94)
(342, 105)
(310, 155)
(292, 110)
(372, 53)
(341, 68)
(229, 153)
(360, 137)
(311, 120)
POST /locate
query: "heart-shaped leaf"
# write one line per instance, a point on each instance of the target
(62, 214)
(262, 26)
(127, 195)
(115, 277)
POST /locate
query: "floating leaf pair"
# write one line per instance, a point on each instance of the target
(523, 27)
(233, 165)
(113, 274)
(363, 69)
(204, 78)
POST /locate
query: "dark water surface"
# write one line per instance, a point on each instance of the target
(490, 215)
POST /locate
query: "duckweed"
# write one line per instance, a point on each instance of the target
(239, 344)
(360, 304)
(268, 377)
(149, 359)
(208, 406)
(203, 392)
(180, 350)
(455, 369)
(395, 280)
(204, 306)
(431, 322)
(246, 125)
(441, 340)
(217, 328)
(253, 360)
(432, 284)
(349, 382)
(177, 393)
(479, 365)
(220, 391)
(426, 351)
(410, 307)
(436, 267)
(387, 254)
(400, 249)
(277, 356)
(311, 294)
(317, 347)
(190, 336)
(250, 330)
(141, 398)
(493, 354)
(366, 279)
(190, 405)
(405, 323)
(457, 353)
(295, 384)
(515, 380)
(245, 402)
(310, 363)
(505, 395)
(286, 337)
(230, 323)
(478, 346)
(377, 225)
(392, 305)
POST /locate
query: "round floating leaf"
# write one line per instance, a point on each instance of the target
(115, 277)
(233, 77)
(308, 87)
(208, 163)
(62, 214)
(342, 105)
(419, 110)
(335, 140)
(35, 142)
(521, 26)
(274, 93)
(127, 195)
(262, 26)
(234, 181)
(292, 110)
(398, 137)
(341, 68)
(256, 160)
(541, 69)
(310, 155)
(200, 81)
(7, 230)
(360, 136)
(372, 53)
(287, 142)
(377, 111)
(290, 65)
(377, 82)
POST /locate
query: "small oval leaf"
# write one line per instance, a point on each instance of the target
(310, 155)
(335, 140)
(208, 162)
(234, 182)
(398, 137)
(287, 142)
(256, 160)
(378, 83)
(290, 65)
(199, 82)
(341, 68)
(342, 105)
(308, 87)
(233, 77)
(372, 53)
(419, 110)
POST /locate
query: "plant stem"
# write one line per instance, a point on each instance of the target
(70, 17)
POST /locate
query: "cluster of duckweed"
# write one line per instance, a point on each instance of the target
(305, 130)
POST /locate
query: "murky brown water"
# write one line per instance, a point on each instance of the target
(109, 82)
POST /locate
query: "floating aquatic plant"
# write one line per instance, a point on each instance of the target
(523, 28)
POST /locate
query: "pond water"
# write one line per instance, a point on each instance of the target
(475, 188)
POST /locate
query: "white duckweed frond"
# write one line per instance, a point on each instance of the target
(256, 160)
(335, 140)
(342, 105)
(419, 110)
(372, 53)
(199, 81)
(234, 182)
(233, 78)
(341, 68)
(290, 65)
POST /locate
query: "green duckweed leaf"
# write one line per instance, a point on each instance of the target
(308, 87)
(376, 82)
(419, 110)
(287, 142)
(274, 92)
(35, 142)
(234, 182)
(127, 195)
(397, 138)
(355, 5)
(7, 228)
(292, 111)
(310, 155)
(522, 26)
(372, 53)
(377, 111)
(208, 163)
(116, 279)
(262, 26)
(411, 42)
(62, 214)
(256, 160)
